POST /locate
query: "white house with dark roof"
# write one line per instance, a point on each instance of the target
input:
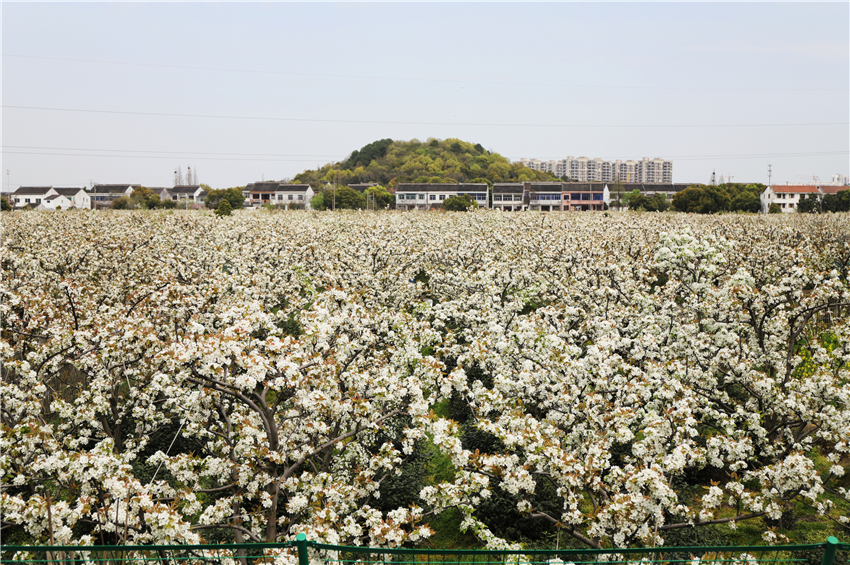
(190, 192)
(430, 196)
(509, 196)
(78, 196)
(278, 194)
(29, 195)
(545, 196)
(102, 195)
(293, 196)
(56, 202)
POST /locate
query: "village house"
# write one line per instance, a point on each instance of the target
(78, 196)
(27, 195)
(430, 196)
(787, 196)
(163, 192)
(103, 195)
(509, 196)
(187, 193)
(585, 196)
(545, 196)
(278, 194)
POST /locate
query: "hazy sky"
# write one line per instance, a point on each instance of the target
(127, 92)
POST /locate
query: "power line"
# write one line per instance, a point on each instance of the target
(163, 152)
(416, 79)
(191, 155)
(381, 122)
(153, 157)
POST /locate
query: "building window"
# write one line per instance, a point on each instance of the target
(290, 197)
(433, 197)
(442, 197)
(300, 197)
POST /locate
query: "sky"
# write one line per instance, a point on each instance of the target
(124, 92)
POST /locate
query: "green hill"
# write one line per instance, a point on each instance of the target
(389, 162)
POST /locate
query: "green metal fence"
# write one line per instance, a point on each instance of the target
(303, 552)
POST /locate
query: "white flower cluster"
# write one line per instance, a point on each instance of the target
(170, 374)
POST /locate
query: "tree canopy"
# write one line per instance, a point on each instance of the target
(459, 203)
(389, 162)
(711, 199)
(233, 196)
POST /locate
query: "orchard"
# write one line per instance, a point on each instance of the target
(178, 377)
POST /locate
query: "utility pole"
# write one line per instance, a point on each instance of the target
(768, 174)
(8, 182)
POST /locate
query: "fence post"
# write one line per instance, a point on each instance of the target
(829, 549)
(304, 557)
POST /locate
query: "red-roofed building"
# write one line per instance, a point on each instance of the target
(833, 189)
(787, 196)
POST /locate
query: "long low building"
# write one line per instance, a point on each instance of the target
(518, 196)
(430, 196)
(788, 196)
(278, 194)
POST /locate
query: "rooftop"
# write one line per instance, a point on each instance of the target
(33, 190)
(795, 189)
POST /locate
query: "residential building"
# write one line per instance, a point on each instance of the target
(509, 196)
(430, 196)
(584, 169)
(545, 196)
(840, 180)
(293, 196)
(832, 189)
(27, 195)
(787, 196)
(56, 202)
(585, 197)
(278, 194)
(102, 195)
(78, 196)
(187, 193)
(163, 192)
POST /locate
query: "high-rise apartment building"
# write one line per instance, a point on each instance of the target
(583, 169)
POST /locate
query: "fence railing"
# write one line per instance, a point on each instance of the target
(303, 552)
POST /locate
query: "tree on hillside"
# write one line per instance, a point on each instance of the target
(4, 204)
(369, 153)
(388, 162)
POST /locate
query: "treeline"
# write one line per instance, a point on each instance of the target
(728, 197)
(813, 203)
(389, 162)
